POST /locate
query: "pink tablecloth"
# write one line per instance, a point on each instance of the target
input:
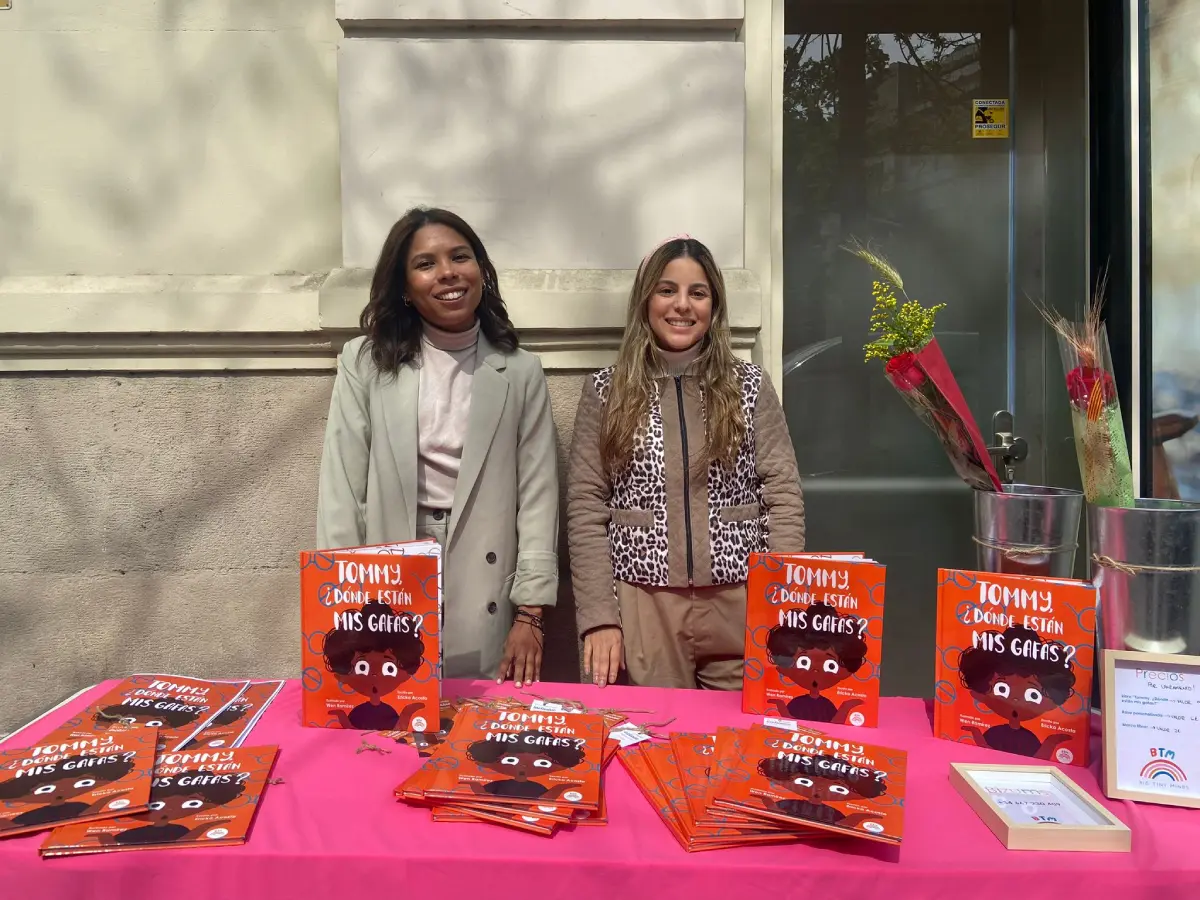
(332, 831)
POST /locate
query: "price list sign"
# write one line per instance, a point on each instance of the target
(1152, 728)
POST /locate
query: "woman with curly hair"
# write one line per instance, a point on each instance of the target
(440, 427)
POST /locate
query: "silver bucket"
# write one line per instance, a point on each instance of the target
(1146, 567)
(1028, 530)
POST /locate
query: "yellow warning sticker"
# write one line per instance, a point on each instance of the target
(989, 118)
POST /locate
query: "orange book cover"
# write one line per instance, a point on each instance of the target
(197, 799)
(819, 781)
(1015, 663)
(814, 637)
(521, 757)
(371, 625)
(232, 725)
(68, 780)
(638, 767)
(176, 706)
(693, 754)
(637, 762)
(663, 764)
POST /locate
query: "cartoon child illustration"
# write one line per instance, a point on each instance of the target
(818, 778)
(816, 659)
(373, 664)
(1018, 688)
(55, 790)
(521, 760)
(178, 801)
(154, 716)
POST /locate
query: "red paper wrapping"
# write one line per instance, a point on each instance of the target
(926, 383)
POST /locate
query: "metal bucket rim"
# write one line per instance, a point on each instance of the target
(1039, 490)
(1148, 506)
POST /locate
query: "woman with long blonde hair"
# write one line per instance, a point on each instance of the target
(681, 466)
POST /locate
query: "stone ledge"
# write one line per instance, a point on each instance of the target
(526, 12)
(573, 319)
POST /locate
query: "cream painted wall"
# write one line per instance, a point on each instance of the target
(168, 137)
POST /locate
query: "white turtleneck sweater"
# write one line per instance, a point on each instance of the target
(448, 361)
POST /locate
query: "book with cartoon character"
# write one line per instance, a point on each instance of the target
(371, 648)
(520, 757)
(176, 706)
(201, 798)
(1015, 663)
(64, 780)
(814, 637)
(817, 781)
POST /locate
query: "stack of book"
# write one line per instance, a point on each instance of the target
(536, 768)
(156, 762)
(767, 784)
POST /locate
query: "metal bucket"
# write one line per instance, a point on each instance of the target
(1028, 530)
(1146, 567)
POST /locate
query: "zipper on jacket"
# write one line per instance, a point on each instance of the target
(687, 467)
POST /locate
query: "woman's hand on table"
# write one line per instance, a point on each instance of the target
(603, 654)
(522, 658)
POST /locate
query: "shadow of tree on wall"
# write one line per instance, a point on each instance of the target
(186, 138)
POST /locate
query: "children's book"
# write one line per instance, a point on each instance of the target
(817, 782)
(232, 725)
(371, 637)
(519, 757)
(201, 798)
(72, 780)
(176, 706)
(814, 637)
(1015, 663)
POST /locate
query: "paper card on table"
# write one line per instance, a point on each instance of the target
(1014, 663)
(176, 706)
(814, 637)
(819, 781)
(370, 619)
(1151, 705)
(71, 780)
(232, 725)
(520, 757)
(198, 798)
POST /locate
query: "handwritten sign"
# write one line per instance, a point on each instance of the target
(1152, 727)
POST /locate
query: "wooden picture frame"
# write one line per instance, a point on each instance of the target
(1010, 800)
(1152, 751)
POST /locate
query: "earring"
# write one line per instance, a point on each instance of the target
(407, 302)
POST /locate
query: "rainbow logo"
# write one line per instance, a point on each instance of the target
(1160, 768)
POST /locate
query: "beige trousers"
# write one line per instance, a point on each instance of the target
(684, 637)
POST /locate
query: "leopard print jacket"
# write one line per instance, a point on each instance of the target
(639, 552)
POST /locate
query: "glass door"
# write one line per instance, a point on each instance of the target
(880, 147)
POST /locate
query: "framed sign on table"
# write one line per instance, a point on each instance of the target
(1038, 808)
(1151, 713)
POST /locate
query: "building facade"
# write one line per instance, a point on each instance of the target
(194, 195)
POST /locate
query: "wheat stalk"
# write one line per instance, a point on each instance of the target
(1083, 336)
(876, 261)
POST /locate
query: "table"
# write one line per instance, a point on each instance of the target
(332, 830)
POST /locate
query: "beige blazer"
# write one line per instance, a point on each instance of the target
(502, 545)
